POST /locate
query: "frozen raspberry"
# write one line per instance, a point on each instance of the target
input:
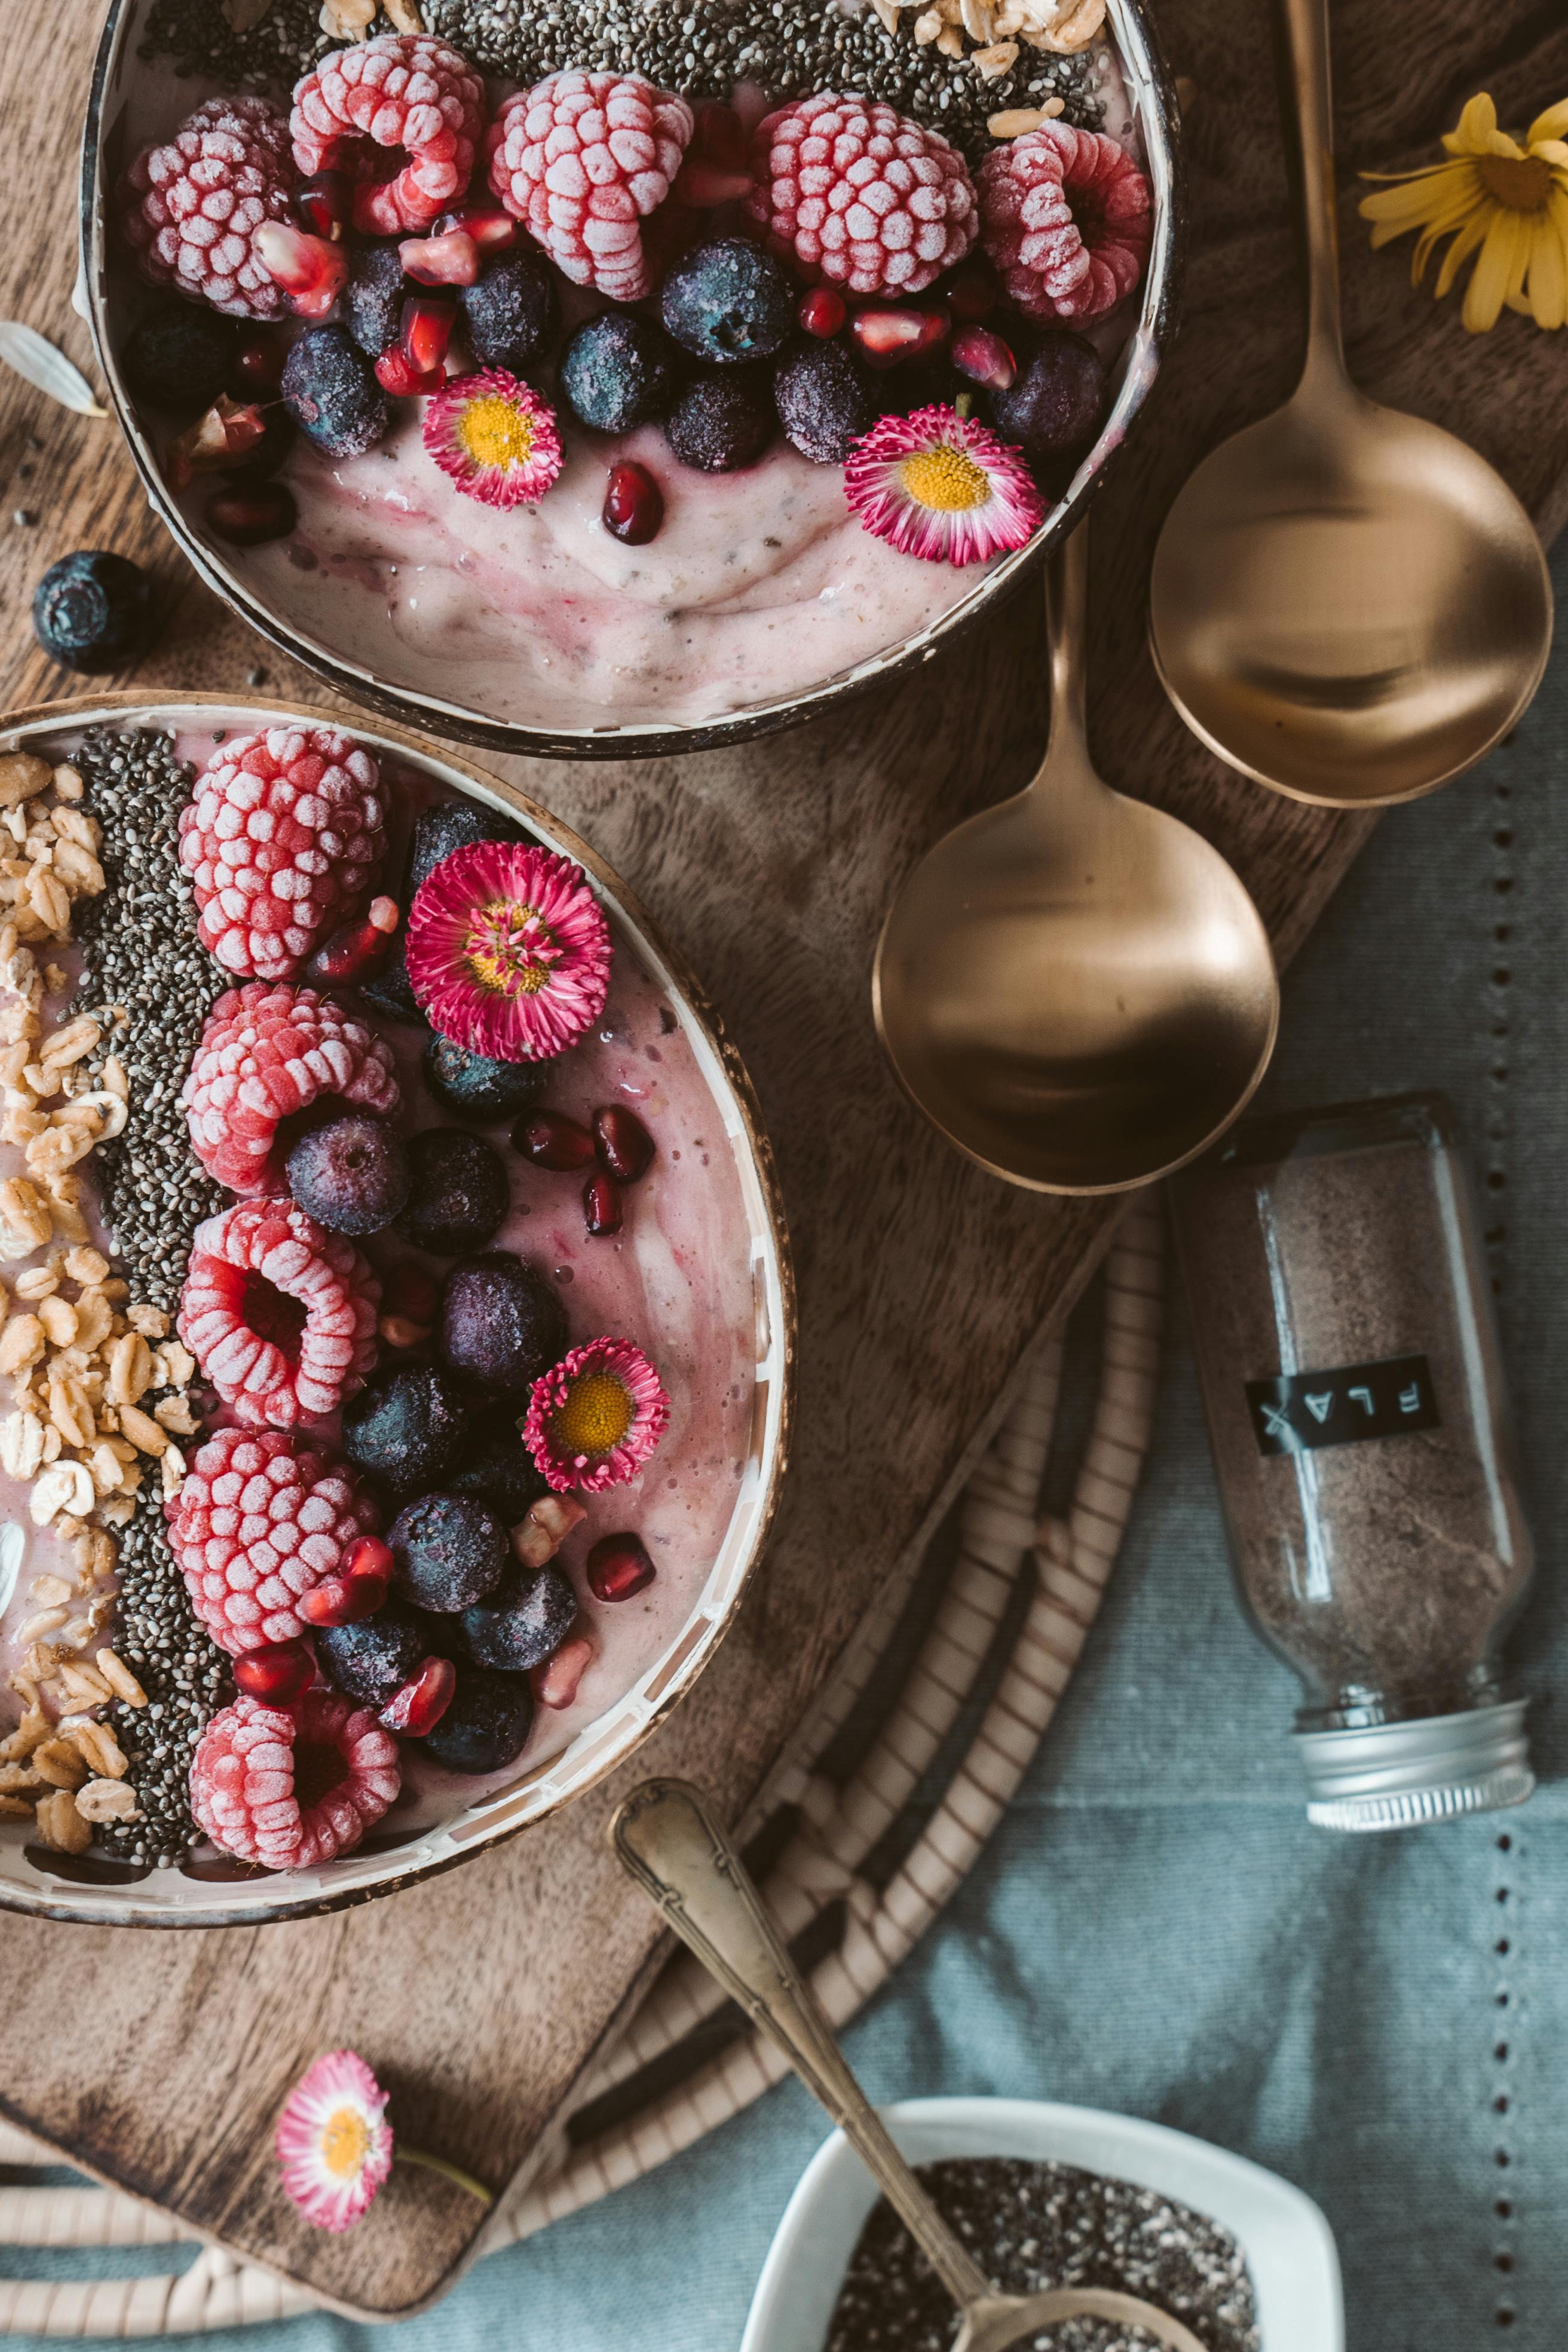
(193, 207)
(858, 194)
(280, 839)
(265, 1055)
(1066, 216)
(262, 1518)
(279, 1315)
(582, 159)
(402, 115)
(291, 1788)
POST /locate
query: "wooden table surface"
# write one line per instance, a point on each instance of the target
(159, 2060)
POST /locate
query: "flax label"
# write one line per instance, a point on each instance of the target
(1303, 1410)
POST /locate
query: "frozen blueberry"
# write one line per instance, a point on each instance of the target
(330, 390)
(458, 1191)
(453, 824)
(728, 300)
(502, 1324)
(91, 612)
(510, 311)
(390, 990)
(1054, 406)
(485, 1089)
(448, 1551)
(527, 1616)
(722, 422)
(373, 298)
(501, 1471)
(487, 1724)
(619, 371)
(368, 1661)
(824, 400)
(351, 1174)
(180, 358)
(406, 1427)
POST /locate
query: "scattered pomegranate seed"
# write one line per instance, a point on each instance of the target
(279, 1673)
(554, 1683)
(719, 133)
(396, 375)
(355, 952)
(356, 1592)
(323, 204)
(971, 292)
(250, 516)
(449, 260)
(259, 363)
(704, 183)
(229, 430)
(417, 1705)
(887, 335)
(492, 230)
(983, 358)
(551, 1139)
(619, 1566)
(624, 1144)
(633, 504)
(424, 332)
(822, 312)
(311, 272)
(602, 1205)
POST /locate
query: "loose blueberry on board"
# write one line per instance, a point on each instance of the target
(728, 301)
(458, 1193)
(474, 1084)
(721, 423)
(373, 298)
(510, 311)
(351, 1174)
(502, 1324)
(448, 1551)
(330, 390)
(486, 1724)
(528, 1616)
(825, 401)
(502, 1473)
(406, 1427)
(370, 1659)
(180, 358)
(91, 610)
(619, 372)
(1054, 408)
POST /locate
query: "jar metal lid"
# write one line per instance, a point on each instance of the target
(1433, 1768)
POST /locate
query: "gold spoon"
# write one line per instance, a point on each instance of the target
(666, 1837)
(1347, 604)
(1073, 987)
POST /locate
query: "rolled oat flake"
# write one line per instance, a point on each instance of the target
(1348, 1361)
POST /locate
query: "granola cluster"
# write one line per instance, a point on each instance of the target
(990, 33)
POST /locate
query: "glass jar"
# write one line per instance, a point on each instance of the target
(1348, 1361)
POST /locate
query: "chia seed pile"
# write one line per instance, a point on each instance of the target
(141, 952)
(1032, 2226)
(699, 47)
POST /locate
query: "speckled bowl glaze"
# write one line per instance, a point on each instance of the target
(217, 1893)
(120, 75)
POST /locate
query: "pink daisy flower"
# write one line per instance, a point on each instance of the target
(938, 485)
(508, 952)
(596, 1417)
(334, 2143)
(495, 437)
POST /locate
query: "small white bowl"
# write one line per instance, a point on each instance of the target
(1289, 2246)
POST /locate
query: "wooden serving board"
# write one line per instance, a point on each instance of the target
(159, 2061)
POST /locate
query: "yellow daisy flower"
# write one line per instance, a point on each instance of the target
(1504, 202)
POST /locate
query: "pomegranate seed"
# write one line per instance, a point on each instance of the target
(229, 430)
(417, 1705)
(311, 273)
(449, 260)
(983, 358)
(368, 1555)
(252, 516)
(705, 185)
(886, 336)
(602, 1205)
(492, 231)
(554, 1683)
(355, 952)
(619, 1566)
(551, 1139)
(395, 374)
(822, 312)
(259, 363)
(972, 293)
(720, 135)
(425, 331)
(624, 1146)
(277, 1673)
(323, 204)
(633, 504)
(356, 1592)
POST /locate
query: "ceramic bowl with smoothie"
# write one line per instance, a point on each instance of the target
(606, 387)
(394, 1360)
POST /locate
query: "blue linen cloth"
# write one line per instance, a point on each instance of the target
(1155, 1927)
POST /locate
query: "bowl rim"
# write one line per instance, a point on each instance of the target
(1300, 2303)
(773, 1282)
(1138, 44)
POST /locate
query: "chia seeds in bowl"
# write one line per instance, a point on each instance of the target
(764, 590)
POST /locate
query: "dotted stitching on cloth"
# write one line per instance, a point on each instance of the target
(1499, 1121)
(1502, 2206)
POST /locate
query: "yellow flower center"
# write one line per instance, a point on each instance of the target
(495, 432)
(1522, 183)
(595, 1416)
(945, 478)
(509, 948)
(346, 2143)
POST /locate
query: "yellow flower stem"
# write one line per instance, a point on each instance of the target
(404, 2154)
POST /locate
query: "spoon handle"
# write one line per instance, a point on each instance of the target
(669, 1841)
(1067, 632)
(1305, 26)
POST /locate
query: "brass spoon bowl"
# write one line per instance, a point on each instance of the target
(1347, 604)
(668, 1840)
(1073, 987)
